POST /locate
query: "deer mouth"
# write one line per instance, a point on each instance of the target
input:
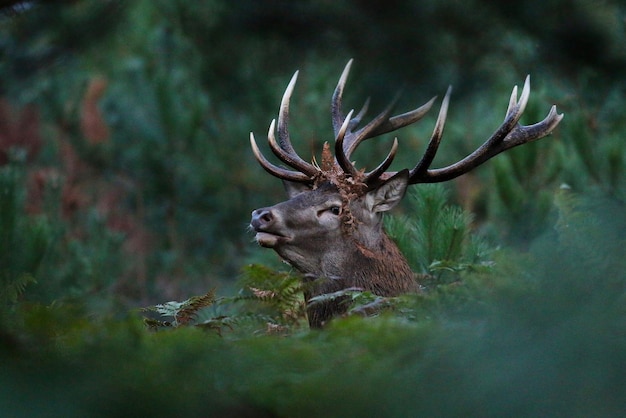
(269, 240)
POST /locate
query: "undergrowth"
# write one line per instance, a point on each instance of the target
(538, 334)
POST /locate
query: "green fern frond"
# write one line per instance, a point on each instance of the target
(279, 292)
(191, 306)
(183, 313)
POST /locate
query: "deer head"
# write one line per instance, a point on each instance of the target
(331, 226)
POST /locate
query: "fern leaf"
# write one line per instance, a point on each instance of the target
(184, 312)
(192, 305)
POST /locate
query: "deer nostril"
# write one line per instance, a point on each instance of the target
(261, 218)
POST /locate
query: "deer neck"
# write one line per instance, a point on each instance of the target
(381, 269)
(376, 266)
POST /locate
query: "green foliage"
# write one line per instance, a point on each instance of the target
(586, 153)
(178, 113)
(521, 202)
(23, 240)
(596, 149)
(274, 298)
(436, 237)
(42, 251)
(157, 204)
(182, 313)
(592, 228)
(545, 340)
(268, 301)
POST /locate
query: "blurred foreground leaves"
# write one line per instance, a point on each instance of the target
(542, 334)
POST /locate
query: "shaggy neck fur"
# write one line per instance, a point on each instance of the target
(383, 270)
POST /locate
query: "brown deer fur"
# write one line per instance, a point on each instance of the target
(334, 256)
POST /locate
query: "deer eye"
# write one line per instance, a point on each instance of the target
(335, 210)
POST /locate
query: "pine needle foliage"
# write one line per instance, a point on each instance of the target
(436, 237)
(587, 153)
(521, 202)
(596, 149)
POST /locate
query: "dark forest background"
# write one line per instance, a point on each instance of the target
(126, 180)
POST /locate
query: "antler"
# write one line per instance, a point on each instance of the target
(508, 135)
(283, 149)
(346, 140)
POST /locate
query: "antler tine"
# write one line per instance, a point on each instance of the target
(343, 158)
(508, 135)
(517, 107)
(355, 138)
(357, 119)
(276, 171)
(349, 139)
(530, 133)
(513, 114)
(283, 148)
(283, 116)
(512, 102)
(435, 139)
(383, 123)
(290, 159)
(336, 102)
(382, 167)
(284, 139)
(405, 119)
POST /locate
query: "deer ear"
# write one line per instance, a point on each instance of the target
(386, 196)
(294, 188)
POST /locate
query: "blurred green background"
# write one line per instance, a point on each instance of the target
(128, 121)
(126, 177)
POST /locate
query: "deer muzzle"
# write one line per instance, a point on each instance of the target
(265, 223)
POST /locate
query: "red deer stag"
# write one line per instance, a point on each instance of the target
(331, 227)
